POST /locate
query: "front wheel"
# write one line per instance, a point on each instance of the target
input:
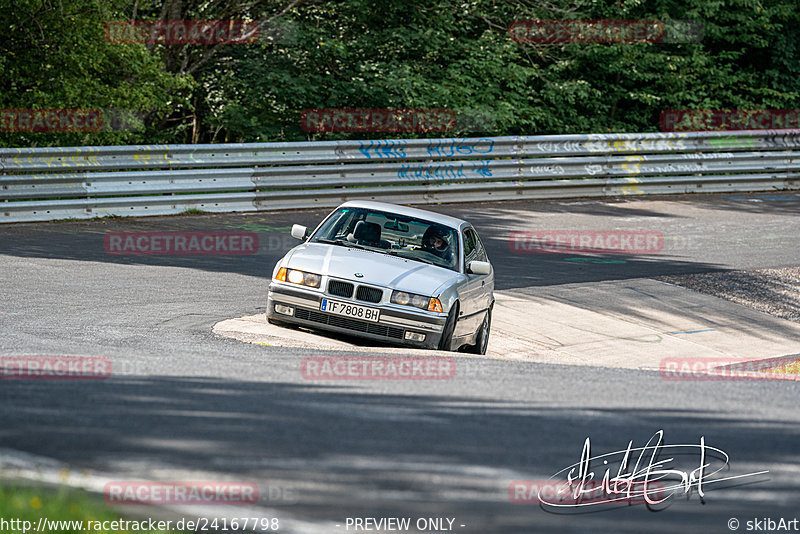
(482, 339)
(449, 327)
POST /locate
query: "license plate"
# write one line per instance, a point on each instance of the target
(353, 311)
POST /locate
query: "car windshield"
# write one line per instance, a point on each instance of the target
(388, 233)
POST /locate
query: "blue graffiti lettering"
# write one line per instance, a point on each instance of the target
(482, 168)
(423, 171)
(383, 149)
(445, 148)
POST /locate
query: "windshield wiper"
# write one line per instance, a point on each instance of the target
(329, 241)
(412, 258)
(425, 261)
(341, 243)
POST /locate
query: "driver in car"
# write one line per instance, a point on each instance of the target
(434, 240)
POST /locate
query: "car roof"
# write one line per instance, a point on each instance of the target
(431, 216)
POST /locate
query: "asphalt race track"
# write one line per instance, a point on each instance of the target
(185, 404)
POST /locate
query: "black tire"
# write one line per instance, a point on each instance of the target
(449, 328)
(482, 339)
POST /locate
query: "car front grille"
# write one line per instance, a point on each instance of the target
(369, 294)
(340, 289)
(349, 324)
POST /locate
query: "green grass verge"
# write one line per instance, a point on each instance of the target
(73, 508)
(787, 369)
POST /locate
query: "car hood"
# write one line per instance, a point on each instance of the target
(378, 269)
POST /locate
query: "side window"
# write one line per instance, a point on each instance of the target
(481, 251)
(469, 244)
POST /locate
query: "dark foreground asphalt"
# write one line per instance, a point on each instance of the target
(184, 404)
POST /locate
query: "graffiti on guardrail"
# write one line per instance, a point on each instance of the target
(441, 171)
(708, 155)
(635, 167)
(436, 148)
(45, 183)
(628, 145)
(445, 148)
(383, 148)
(732, 142)
(547, 169)
(593, 169)
(609, 144)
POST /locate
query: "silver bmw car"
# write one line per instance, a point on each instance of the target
(389, 273)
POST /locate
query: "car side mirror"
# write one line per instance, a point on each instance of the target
(479, 267)
(299, 231)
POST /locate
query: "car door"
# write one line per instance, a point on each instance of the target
(472, 291)
(487, 285)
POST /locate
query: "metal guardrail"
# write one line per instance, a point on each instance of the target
(38, 184)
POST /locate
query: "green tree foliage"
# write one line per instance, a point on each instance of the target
(54, 56)
(449, 54)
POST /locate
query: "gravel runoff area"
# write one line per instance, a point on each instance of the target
(772, 291)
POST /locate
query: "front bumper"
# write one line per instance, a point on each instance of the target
(391, 328)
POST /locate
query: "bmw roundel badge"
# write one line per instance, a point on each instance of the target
(359, 275)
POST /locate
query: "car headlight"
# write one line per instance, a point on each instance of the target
(418, 301)
(298, 277)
